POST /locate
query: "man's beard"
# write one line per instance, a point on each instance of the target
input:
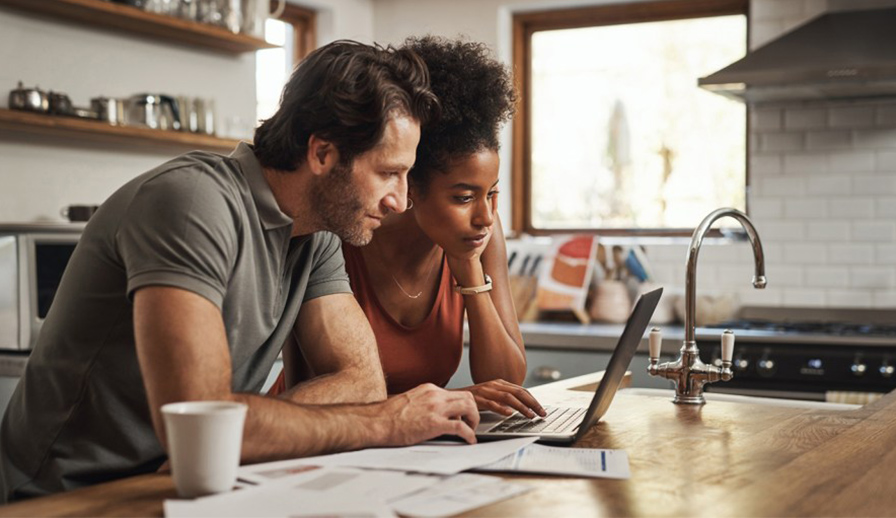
(337, 203)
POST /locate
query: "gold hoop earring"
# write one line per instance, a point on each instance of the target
(410, 204)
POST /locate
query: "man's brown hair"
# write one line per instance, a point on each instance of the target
(344, 92)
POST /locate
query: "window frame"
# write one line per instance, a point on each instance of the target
(525, 24)
(304, 24)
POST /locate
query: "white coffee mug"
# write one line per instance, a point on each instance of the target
(204, 441)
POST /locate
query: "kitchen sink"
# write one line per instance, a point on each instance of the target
(753, 400)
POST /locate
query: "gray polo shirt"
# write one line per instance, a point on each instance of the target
(202, 222)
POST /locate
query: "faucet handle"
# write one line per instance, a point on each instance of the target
(655, 343)
(727, 345)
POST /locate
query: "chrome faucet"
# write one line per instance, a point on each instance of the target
(688, 372)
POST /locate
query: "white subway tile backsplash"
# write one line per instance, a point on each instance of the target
(766, 165)
(805, 118)
(806, 209)
(852, 208)
(785, 186)
(854, 298)
(735, 276)
(851, 116)
(827, 277)
(812, 164)
(885, 254)
(805, 253)
(828, 139)
(782, 231)
(848, 254)
(874, 139)
(774, 252)
(765, 210)
(886, 207)
(884, 299)
(827, 231)
(782, 142)
(804, 297)
(765, 119)
(766, 297)
(879, 184)
(725, 253)
(829, 185)
(785, 276)
(877, 277)
(667, 253)
(662, 274)
(763, 31)
(886, 161)
(852, 162)
(875, 231)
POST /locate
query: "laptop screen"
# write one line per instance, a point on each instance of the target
(622, 357)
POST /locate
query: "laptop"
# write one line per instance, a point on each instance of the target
(567, 425)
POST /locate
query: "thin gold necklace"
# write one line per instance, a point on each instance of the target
(425, 279)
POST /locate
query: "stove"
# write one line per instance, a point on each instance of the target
(803, 353)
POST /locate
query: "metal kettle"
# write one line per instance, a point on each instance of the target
(157, 111)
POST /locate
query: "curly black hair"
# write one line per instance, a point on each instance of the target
(476, 94)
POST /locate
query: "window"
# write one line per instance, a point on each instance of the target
(613, 134)
(294, 33)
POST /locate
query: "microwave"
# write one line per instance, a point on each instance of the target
(33, 258)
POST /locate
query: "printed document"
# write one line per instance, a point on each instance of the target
(350, 492)
(578, 462)
(438, 459)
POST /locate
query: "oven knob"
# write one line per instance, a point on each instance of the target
(858, 367)
(741, 363)
(766, 366)
(886, 370)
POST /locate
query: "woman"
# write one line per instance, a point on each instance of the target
(446, 254)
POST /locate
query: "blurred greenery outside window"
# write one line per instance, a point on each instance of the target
(621, 137)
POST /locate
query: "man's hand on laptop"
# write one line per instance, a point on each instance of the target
(428, 411)
(505, 398)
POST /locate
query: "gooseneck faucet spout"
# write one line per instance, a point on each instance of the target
(690, 286)
(688, 372)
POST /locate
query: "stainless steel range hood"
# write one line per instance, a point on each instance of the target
(846, 54)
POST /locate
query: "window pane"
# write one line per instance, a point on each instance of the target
(272, 67)
(622, 137)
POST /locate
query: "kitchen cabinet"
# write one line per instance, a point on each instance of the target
(87, 130)
(131, 20)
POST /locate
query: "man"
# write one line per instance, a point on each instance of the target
(188, 280)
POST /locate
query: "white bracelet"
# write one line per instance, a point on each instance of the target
(473, 290)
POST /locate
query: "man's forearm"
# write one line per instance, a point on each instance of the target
(348, 386)
(278, 429)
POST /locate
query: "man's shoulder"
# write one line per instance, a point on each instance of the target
(199, 172)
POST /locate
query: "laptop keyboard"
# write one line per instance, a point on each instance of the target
(557, 420)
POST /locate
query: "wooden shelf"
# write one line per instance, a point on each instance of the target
(126, 18)
(97, 131)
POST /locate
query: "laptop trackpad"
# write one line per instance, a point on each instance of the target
(487, 420)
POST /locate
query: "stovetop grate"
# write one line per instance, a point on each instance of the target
(812, 328)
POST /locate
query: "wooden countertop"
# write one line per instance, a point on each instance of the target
(721, 459)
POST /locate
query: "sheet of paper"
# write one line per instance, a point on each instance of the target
(458, 494)
(320, 492)
(581, 462)
(439, 459)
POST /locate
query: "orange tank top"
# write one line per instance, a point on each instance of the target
(427, 353)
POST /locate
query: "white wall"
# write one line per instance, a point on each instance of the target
(823, 174)
(39, 175)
